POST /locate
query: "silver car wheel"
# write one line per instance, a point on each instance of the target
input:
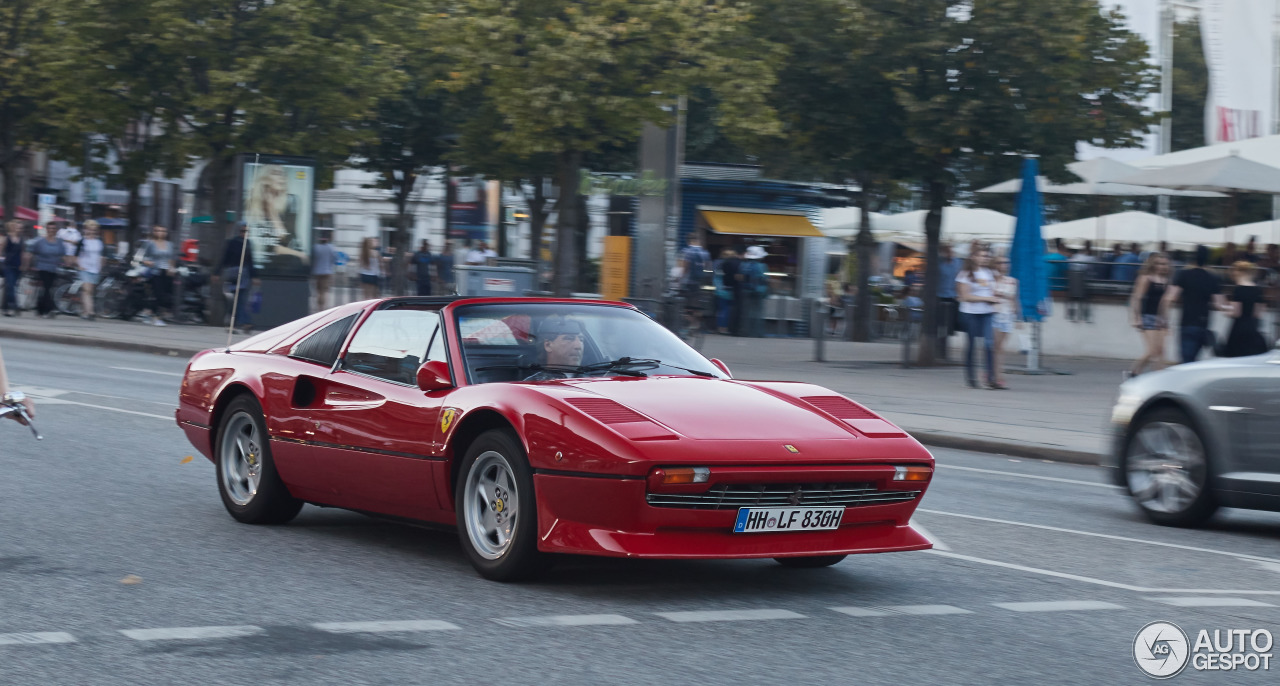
(490, 505)
(241, 459)
(1165, 467)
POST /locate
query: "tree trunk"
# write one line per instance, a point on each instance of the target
(9, 182)
(537, 218)
(400, 239)
(933, 240)
(860, 327)
(566, 262)
(214, 242)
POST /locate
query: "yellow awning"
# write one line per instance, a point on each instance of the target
(760, 224)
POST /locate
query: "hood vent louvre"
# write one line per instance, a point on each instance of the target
(607, 411)
(839, 407)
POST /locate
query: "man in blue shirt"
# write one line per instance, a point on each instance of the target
(1125, 267)
(422, 260)
(1056, 260)
(948, 307)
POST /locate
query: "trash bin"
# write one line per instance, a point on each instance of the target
(496, 282)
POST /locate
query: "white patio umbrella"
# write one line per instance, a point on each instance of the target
(1101, 177)
(1231, 174)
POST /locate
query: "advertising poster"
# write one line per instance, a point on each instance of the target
(467, 212)
(277, 195)
(1237, 50)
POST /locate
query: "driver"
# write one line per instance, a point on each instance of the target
(562, 345)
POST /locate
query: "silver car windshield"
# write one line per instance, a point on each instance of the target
(518, 342)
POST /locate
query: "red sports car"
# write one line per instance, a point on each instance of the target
(541, 426)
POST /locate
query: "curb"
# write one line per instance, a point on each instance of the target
(991, 445)
(109, 344)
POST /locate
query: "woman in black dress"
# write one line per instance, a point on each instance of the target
(1245, 308)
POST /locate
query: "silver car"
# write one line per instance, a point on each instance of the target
(1195, 437)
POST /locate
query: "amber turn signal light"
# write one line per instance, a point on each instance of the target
(912, 473)
(686, 475)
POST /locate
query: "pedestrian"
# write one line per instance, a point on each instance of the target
(1008, 312)
(1197, 288)
(975, 287)
(14, 247)
(729, 268)
(157, 257)
(1125, 267)
(1144, 310)
(831, 299)
(89, 261)
(69, 235)
(1245, 308)
(370, 267)
(1079, 266)
(948, 308)
(422, 260)
(480, 254)
(755, 287)
(1056, 262)
(239, 277)
(324, 259)
(444, 268)
(46, 256)
(724, 292)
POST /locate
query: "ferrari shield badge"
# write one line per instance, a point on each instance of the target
(791, 448)
(446, 419)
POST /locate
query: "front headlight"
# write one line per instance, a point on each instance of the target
(1126, 405)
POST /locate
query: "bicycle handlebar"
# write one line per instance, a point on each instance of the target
(22, 417)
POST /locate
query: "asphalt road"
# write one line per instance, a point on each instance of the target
(1044, 574)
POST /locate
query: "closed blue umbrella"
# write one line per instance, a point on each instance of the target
(1026, 257)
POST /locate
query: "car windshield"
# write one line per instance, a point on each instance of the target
(540, 341)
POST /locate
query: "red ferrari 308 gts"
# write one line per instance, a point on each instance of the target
(541, 426)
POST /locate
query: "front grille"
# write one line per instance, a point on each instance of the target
(733, 496)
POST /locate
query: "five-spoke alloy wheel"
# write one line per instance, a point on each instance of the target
(250, 488)
(1166, 467)
(497, 517)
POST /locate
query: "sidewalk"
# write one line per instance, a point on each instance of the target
(1057, 417)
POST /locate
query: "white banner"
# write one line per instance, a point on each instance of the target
(1238, 53)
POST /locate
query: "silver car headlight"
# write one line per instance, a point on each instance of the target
(1126, 406)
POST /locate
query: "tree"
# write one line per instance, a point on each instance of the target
(979, 80)
(276, 76)
(569, 78)
(30, 34)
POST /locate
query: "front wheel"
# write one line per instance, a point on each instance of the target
(497, 514)
(250, 488)
(809, 562)
(1166, 467)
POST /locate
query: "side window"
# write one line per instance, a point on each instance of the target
(323, 346)
(392, 344)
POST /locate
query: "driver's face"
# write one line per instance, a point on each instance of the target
(564, 349)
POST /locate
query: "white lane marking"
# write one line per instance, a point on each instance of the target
(36, 638)
(63, 401)
(916, 610)
(1059, 606)
(728, 615)
(1113, 537)
(937, 543)
(1192, 601)
(191, 633)
(378, 627)
(148, 371)
(566, 620)
(1091, 580)
(1027, 476)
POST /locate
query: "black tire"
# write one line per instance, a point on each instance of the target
(1197, 509)
(519, 558)
(271, 503)
(809, 562)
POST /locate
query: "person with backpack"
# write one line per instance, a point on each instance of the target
(695, 266)
(755, 286)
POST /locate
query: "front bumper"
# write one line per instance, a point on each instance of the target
(610, 517)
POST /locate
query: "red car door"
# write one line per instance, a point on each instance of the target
(374, 429)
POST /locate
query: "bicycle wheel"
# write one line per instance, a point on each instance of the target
(67, 299)
(110, 301)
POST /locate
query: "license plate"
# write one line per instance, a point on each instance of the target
(757, 519)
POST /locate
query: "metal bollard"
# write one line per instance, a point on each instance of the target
(819, 328)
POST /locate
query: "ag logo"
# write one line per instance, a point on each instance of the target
(446, 419)
(1161, 650)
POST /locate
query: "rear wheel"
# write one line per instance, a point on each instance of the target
(497, 514)
(1166, 468)
(250, 488)
(67, 299)
(809, 562)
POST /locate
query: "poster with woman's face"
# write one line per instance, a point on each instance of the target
(277, 209)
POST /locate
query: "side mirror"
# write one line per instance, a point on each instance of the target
(722, 367)
(434, 376)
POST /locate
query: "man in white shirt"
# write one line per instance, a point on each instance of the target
(69, 235)
(481, 254)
